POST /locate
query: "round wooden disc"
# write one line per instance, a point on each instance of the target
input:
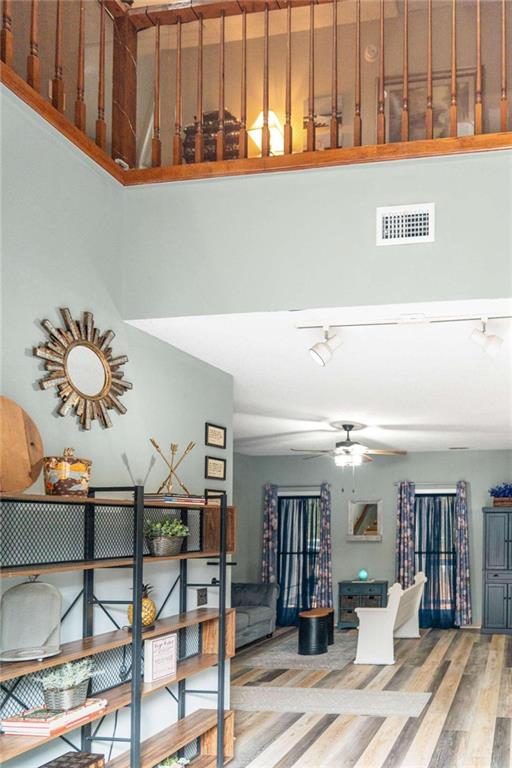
(21, 448)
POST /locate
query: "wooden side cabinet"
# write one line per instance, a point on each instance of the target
(497, 573)
(357, 594)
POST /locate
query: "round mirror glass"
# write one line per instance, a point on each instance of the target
(85, 370)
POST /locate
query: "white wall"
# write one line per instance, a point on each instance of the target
(61, 246)
(372, 481)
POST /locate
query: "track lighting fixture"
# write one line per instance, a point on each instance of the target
(490, 343)
(322, 351)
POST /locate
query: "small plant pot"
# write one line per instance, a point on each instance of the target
(501, 502)
(66, 699)
(163, 546)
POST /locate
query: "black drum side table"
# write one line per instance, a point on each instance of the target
(316, 631)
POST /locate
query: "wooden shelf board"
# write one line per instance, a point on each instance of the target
(171, 739)
(118, 697)
(204, 761)
(89, 646)
(9, 572)
(99, 502)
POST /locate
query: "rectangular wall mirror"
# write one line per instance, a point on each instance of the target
(365, 520)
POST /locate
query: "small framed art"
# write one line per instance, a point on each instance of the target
(215, 435)
(214, 468)
(213, 496)
(160, 657)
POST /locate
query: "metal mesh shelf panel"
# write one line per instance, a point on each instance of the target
(189, 641)
(27, 693)
(114, 667)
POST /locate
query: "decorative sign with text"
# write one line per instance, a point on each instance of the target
(160, 658)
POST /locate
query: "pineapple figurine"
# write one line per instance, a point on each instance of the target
(148, 607)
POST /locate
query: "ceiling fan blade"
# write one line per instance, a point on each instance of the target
(316, 456)
(377, 452)
(367, 458)
(312, 450)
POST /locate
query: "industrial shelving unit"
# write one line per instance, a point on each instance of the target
(98, 533)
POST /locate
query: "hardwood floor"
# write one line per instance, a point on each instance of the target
(466, 724)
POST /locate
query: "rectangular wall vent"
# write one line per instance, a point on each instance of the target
(403, 224)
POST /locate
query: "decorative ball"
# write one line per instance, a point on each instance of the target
(363, 575)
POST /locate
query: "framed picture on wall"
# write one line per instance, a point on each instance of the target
(215, 435)
(214, 468)
(213, 496)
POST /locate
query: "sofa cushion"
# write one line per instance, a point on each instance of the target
(256, 613)
(243, 594)
(242, 620)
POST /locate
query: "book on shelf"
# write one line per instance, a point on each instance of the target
(175, 498)
(160, 657)
(41, 721)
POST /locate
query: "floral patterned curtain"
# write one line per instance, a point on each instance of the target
(322, 597)
(269, 555)
(463, 614)
(405, 519)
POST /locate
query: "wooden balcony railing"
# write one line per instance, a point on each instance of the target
(198, 88)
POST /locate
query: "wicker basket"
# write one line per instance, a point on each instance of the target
(504, 502)
(162, 546)
(68, 698)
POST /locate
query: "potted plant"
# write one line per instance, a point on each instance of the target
(65, 687)
(501, 495)
(173, 761)
(165, 536)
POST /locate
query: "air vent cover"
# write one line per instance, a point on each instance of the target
(403, 224)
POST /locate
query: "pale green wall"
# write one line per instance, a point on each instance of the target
(307, 239)
(61, 246)
(376, 481)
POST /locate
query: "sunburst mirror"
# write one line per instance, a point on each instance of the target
(81, 365)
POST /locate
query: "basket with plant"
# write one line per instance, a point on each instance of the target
(173, 760)
(65, 687)
(501, 495)
(165, 537)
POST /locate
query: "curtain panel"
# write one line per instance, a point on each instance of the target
(269, 548)
(463, 612)
(322, 597)
(405, 528)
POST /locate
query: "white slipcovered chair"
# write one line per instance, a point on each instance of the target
(379, 626)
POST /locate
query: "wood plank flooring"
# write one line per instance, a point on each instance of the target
(466, 724)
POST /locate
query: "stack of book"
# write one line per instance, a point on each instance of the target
(41, 721)
(176, 498)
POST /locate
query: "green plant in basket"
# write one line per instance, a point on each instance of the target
(67, 676)
(169, 527)
(173, 761)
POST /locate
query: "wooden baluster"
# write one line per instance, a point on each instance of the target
(33, 64)
(156, 142)
(220, 138)
(242, 141)
(334, 77)
(101, 126)
(357, 90)
(6, 48)
(199, 137)
(58, 82)
(177, 142)
(405, 90)
(265, 130)
(478, 85)
(310, 129)
(453, 83)
(381, 116)
(504, 97)
(429, 114)
(288, 135)
(80, 78)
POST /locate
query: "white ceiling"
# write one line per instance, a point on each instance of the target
(418, 387)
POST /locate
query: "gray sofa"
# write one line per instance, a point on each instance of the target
(255, 610)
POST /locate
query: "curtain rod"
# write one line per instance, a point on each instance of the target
(300, 486)
(443, 482)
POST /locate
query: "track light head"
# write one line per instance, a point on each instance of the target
(322, 351)
(490, 343)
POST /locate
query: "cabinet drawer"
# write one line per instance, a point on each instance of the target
(491, 576)
(349, 617)
(350, 589)
(373, 589)
(349, 601)
(371, 601)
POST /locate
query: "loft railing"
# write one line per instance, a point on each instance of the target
(200, 88)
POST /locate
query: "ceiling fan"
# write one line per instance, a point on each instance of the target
(348, 452)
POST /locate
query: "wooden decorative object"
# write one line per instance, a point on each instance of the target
(172, 464)
(82, 367)
(21, 450)
(77, 760)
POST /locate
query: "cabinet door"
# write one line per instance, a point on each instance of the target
(509, 608)
(496, 541)
(496, 605)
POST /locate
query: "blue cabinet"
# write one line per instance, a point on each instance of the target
(356, 594)
(497, 591)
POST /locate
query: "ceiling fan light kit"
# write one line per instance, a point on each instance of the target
(349, 453)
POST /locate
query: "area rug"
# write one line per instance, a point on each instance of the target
(328, 701)
(283, 654)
